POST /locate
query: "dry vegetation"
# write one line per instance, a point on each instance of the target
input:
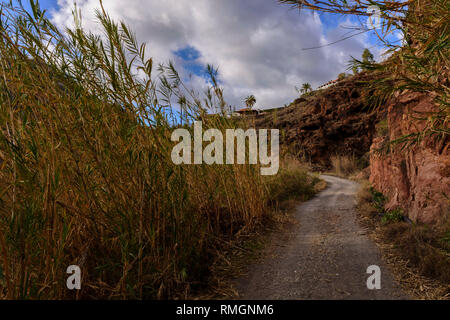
(286, 190)
(291, 182)
(86, 175)
(350, 166)
(343, 166)
(419, 255)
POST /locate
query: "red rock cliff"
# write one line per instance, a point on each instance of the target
(415, 179)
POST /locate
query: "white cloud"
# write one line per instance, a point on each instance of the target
(257, 45)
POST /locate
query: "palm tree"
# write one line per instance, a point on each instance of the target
(306, 87)
(250, 101)
(367, 56)
(342, 76)
(367, 59)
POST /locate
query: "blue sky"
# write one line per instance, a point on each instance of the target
(45, 4)
(190, 57)
(258, 45)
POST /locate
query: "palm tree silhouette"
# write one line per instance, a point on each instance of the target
(306, 87)
(250, 101)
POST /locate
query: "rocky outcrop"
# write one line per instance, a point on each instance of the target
(416, 178)
(329, 122)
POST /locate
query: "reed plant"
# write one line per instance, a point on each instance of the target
(86, 176)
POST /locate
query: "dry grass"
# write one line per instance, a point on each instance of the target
(418, 255)
(86, 173)
(291, 182)
(344, 166)
(233, 259)
(320, 186)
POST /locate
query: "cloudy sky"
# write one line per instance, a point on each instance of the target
(258, 45)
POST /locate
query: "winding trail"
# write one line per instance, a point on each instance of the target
(324, 256)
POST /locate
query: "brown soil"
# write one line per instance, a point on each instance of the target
(323, 256)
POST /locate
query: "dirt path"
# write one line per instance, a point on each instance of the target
(324, 256)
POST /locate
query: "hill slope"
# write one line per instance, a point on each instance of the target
(332, 121)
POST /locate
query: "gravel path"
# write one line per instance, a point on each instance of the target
(324, 256)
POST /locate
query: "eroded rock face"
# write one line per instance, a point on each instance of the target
(415, 179)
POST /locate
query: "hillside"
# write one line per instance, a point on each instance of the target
(339, 121)
(333, 121)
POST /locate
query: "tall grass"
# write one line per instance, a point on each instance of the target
(86, 175)
(343, 166)
(291, 183)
